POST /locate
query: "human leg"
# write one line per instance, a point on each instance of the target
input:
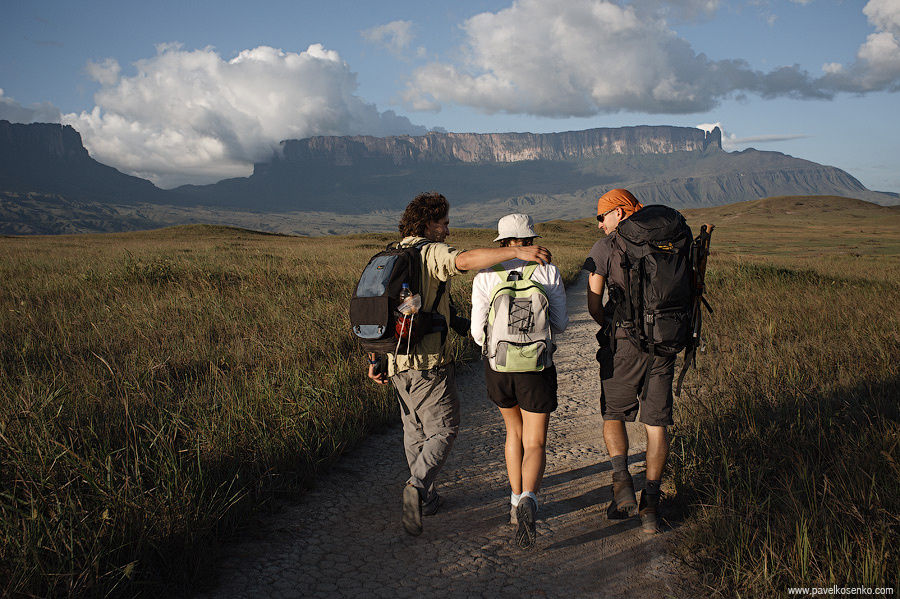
(413, 435)
(513, 450)
(429, 410)
(657, 451)
(534, 441)
(656, 414)
(437, 409)
(501, 390)
(616, 437)
(618, 399)
(619, 404)
(413, 440)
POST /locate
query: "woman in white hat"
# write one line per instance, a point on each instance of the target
(525, 394)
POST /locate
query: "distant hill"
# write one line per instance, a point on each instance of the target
(798, 208)
(49, 183)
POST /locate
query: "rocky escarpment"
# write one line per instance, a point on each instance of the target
(39, 142)
(680, 166)
(482, 148)
(49, 183)
(47, 158)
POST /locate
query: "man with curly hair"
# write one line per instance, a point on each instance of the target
(425, 378)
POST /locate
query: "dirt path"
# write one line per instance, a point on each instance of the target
(344, 539)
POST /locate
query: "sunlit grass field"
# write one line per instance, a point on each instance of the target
(159, 387)
(786, 450)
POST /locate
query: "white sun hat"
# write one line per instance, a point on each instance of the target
(519, 226)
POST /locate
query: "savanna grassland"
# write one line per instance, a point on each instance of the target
(159, 387)
(786, 451)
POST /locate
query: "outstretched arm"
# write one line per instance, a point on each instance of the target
(480, 258)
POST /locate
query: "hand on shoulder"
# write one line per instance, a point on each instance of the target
(534, 253)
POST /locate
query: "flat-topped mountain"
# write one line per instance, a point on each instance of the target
(551, 173)
(47, 158)
(326, 184)
(480, 148)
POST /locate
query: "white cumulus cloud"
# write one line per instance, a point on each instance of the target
(12, 111)
(877, 65)
(105, 72)
(190, 116)
(562, 58)
(396, 36)
(884, 14)
(582, 57)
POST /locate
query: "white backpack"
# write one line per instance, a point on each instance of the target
(517, 334)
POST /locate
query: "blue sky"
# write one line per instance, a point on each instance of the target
(194, 92)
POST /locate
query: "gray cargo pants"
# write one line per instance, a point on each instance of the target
(429, 409)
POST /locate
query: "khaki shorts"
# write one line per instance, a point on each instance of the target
(621, 378)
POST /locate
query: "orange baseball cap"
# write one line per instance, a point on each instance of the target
(618, 198)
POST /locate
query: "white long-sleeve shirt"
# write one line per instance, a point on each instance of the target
(545, 274)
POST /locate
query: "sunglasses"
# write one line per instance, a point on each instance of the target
(600, 217)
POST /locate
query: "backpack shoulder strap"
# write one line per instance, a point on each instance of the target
(529, 269)
(442, 286)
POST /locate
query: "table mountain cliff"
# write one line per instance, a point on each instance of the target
(47, 158)
(680, 166)
(435, 148)
(550, 175)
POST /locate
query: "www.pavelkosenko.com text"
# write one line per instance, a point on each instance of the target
(836, 590)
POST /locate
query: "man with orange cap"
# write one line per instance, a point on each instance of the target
(624, 370)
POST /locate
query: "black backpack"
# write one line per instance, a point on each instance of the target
(373, 307)
(664, 267)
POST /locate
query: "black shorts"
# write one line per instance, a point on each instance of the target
(621, 379)
(531, 391)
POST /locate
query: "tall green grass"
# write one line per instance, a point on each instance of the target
(787, 451)
(158, 385)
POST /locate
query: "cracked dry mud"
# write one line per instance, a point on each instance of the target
(344, 539)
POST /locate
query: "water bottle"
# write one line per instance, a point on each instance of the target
(409, 305)
(405, 293)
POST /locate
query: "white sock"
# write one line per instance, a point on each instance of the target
(529, 494)
(514, 499)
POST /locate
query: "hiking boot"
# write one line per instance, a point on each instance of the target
(525, 527)
(624, 503)
(412, 510)
(432, 504)
(647, 511)
(513, 517)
